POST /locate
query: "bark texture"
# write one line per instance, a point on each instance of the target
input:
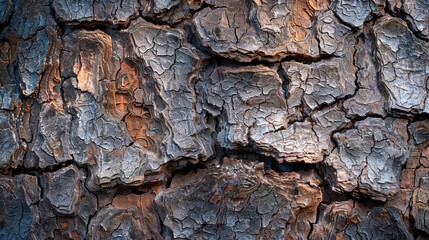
(214, 119)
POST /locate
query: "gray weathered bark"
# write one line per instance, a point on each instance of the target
(214, 119)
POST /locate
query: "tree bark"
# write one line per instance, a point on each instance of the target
(214, 119)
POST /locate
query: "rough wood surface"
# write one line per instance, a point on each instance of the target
(214, 119)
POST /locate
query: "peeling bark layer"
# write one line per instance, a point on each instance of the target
(214, 119)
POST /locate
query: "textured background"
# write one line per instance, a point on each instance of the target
(214, 119)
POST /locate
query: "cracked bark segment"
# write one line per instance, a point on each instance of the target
(144, 129)
(105, 146)
(168, 56)
(10, 92)
(87, 67)
(66, 206)
(170, 11)
(420, 204)
(34, 25)
(5, 10)
(18, 196)
(34, 16)
(64, 190)
(125, 166)
(327, 121)
(114, 12)
(369, 99)
(252, 112)
(39, 58)
(418, 16)
(265, 30)
(320, 83)
(239, 201)
(369, 158)
(100, 88)
(351, 220)
(121, 92)
(117, 98)
(402, 61)
(132, 216)
(419, 132)
(127, 101)
(12, 149)
(330, 32)
(297, 143)
(50, 81)
(353, 12)
(10, 96)
(32, 55)
(52, 144)
(87, 56)
(91, 125)
(250, 97)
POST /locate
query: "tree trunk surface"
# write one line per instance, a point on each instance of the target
(214, 119)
